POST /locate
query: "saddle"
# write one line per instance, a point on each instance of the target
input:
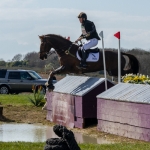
(95, 50)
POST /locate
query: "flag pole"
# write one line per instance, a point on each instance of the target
(117, 35)
(101, 34)
(119, 63)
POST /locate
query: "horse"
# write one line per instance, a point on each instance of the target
(67, 52)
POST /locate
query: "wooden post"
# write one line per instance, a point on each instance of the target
(1, 111)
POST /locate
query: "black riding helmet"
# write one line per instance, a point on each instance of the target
(82, 15)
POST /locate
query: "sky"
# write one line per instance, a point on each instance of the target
(21, 21)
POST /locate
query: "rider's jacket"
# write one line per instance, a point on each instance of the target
(89, 27)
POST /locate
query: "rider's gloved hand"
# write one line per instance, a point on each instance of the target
(79, 39)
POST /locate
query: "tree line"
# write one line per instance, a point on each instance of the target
(31, 61)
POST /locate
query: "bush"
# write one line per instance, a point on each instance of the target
(38, 96)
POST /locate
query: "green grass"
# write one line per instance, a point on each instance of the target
(116, 146)
(40, 146)
(15, 100)
(21, 146)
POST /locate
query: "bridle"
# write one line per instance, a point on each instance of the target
(46, 53)
(67, 52)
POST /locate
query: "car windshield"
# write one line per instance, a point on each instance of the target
(34, 75)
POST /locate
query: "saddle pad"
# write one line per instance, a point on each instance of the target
(93, 57)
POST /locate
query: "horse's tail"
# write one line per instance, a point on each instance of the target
(133, 62)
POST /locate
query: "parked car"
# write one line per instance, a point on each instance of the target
(17, 81)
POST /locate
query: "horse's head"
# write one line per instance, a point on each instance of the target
(57, 42)
(44, 47)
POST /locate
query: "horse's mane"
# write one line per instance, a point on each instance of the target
(59, 36)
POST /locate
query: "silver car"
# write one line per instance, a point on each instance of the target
(17, 81)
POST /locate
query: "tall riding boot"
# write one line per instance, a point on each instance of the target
(84, 56)
(80, 53)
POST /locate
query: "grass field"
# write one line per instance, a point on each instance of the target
(40, 146)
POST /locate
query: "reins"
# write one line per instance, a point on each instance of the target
(67, 52)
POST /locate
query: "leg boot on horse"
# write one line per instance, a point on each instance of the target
(49, 83)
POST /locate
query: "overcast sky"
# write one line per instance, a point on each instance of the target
(21, 21)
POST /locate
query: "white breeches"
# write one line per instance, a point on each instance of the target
(90, 43)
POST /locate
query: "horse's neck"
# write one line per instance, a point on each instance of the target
(59, 42)
(60, 48)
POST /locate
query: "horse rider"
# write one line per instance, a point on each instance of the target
(90, 34)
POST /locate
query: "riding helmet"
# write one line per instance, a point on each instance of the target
(82, 15)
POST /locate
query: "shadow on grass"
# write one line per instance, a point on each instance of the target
(4, 119)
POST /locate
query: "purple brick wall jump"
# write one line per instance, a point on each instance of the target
(124, 118)
(49, 115)
(79, 122)
(85, 107)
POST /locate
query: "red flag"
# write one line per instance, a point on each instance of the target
(68, 38)
(117, 35)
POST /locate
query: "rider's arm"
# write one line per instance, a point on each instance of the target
(80, 38)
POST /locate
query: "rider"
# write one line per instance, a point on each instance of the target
(90, 34)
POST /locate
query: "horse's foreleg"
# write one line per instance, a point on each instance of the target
(59, 70)
(49, 84)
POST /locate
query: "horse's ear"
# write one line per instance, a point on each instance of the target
(40, 37)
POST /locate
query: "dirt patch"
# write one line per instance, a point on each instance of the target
(32, 114)
(24, 114)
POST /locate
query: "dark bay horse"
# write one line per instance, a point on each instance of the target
(67, 50)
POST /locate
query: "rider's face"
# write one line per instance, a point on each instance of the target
(81, 20)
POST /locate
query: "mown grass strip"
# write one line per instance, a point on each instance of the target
(21, 146)
(15, 100)
(40, 146)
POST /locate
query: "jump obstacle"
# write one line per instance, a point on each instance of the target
(124, 110)
(73, 102)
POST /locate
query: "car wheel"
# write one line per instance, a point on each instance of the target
(4, 89)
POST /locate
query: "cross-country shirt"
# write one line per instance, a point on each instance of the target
(89, 27)
(83, 30)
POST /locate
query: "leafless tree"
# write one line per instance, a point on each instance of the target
(17, 57)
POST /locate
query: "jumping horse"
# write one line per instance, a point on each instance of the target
(67, 52)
